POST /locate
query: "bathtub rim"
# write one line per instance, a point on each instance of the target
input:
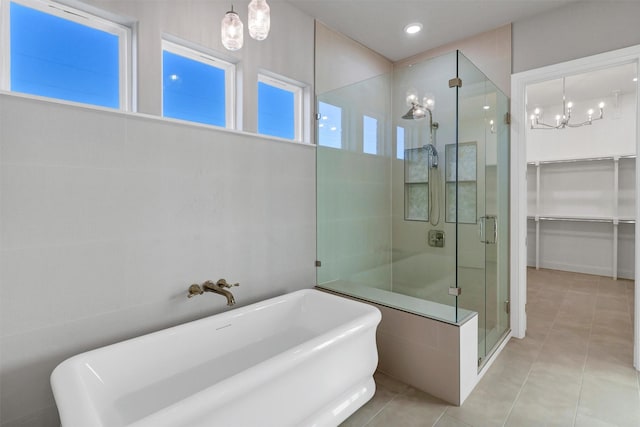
(366, 319)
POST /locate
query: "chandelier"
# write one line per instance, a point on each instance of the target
(564, 120)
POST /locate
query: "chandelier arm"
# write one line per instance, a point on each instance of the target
(577, 125)
(545, 126)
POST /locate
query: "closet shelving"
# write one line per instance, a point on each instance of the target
(614, 206)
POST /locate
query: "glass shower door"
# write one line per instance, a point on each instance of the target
(482, 203)
(496, 189)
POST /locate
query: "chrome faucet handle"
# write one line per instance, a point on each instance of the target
(194, 290)
(223, 283)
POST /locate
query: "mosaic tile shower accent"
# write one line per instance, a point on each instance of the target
(416, 187)
(467, 182)
(417, 202)
(416, 165)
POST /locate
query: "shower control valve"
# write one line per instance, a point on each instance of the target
(436, 238)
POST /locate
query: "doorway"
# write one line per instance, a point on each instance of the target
(525, 217)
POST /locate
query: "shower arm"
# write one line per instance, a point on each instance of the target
(432, 125)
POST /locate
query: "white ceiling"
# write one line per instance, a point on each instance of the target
(379, 24)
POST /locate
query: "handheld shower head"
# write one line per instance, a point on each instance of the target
(433, 155)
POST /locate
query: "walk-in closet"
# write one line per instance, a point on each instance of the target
(581, 165)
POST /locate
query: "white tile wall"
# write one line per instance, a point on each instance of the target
(106, 218)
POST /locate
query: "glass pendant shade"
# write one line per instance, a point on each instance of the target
(259, 19)
(232, 31)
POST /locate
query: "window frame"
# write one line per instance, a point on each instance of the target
(207, 57)
(92, 19)
(298, 89)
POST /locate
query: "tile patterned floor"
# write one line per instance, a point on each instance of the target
(574, 368)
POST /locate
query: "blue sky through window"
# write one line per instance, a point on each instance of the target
(58, 58)
(330, 126)
(192, 90)
(369, 135)
(400, 143)
(276, 111)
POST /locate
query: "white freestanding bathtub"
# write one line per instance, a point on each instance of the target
(302, 359)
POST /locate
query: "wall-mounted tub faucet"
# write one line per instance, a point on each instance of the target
(216, 288)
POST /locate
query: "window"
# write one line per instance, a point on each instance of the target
(400, 143)
(330, 125)
(59, 52)
(279, 108)
(369, 135)
(196, 86)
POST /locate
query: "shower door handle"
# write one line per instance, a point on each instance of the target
(493, 238)
(494, 232)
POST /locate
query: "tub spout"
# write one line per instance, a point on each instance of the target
(218, 288)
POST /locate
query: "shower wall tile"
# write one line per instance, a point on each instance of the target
(64, 136)
(153, 144)
(47, 205)
(45, 285)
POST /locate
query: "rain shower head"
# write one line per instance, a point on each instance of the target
(417, 112)
(414, 113)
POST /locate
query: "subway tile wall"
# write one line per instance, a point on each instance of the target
(106, 218)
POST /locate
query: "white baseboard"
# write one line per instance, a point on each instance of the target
(586, 269)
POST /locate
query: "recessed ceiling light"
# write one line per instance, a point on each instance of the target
(486, 107)
(635, 79)
(413, 28)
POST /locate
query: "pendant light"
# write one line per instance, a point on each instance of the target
(259, 19)
(232, 31)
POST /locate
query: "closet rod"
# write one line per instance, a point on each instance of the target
(586, 159)
(567, 218)
(574, 219)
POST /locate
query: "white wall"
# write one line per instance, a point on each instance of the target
(341, 61)
(574, 31)
(106, 218)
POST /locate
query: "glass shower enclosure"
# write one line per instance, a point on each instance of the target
(412, 194)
